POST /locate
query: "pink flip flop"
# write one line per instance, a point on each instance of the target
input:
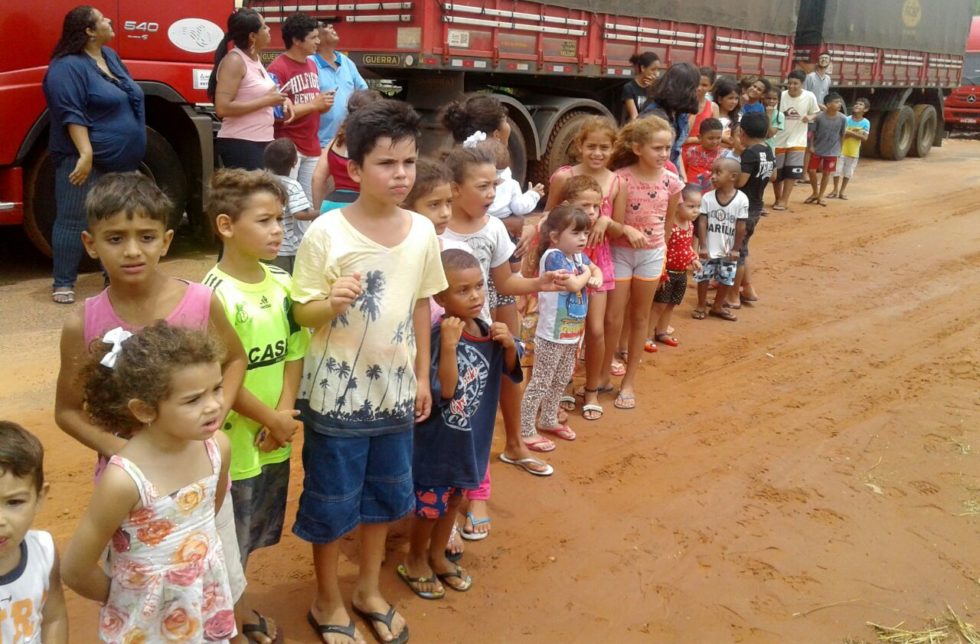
(564, 432)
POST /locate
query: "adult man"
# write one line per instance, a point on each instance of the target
(818, 81)
(338, 74)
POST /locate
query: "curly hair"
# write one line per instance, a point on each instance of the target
(144, 371)
(578, 184)
(231, 189)
(73, 36)
(473, 113)
(297, 27)
(638, 132)
(594, 125)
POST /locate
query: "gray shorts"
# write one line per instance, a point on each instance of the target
(260, 508)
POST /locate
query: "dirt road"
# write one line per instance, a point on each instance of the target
(787, 478)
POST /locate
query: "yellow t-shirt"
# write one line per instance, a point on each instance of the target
(851, 147)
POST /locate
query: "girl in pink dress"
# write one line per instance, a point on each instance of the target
(165, 578)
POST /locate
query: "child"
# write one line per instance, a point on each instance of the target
(757, 161)
(280, 157)
(754, 93)
(721, 230)
(452, 446)
(245, 210)
(155, 504)
(362, 280)
(699, 158)
(857, 131)
(727, 95)
(127, 232)
(645, 207)
(594, 144)
(777, 122)
(511, 200)
(32, 602)
(799, 107)
(828, 132)
(680, 257)
(561, 323)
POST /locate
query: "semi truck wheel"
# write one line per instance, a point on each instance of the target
(925, 122)
(869, 147)
(897, 134)
(517, 148)
(161, 163)
(560, 148)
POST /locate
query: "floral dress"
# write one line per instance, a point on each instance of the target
(168, 575)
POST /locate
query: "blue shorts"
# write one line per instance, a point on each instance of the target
(433, 502)
(720, 270)
(353, 480)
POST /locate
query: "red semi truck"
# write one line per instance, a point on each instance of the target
(552, 63)
(962, 111)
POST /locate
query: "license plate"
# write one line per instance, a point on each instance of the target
(968, 120)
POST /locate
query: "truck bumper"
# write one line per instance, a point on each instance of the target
(11, 195)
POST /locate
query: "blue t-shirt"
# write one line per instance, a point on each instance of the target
(344, 80)
(113, 110)
(452, 446)
(750, 108)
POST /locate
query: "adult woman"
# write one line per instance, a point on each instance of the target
(675, 98)
(706, 107)
(244, 94)
(646, 66)
(97, 126)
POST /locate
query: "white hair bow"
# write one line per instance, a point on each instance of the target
(473, 139)
(115, 337)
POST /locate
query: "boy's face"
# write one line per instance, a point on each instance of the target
(129, 248)
(465, 295)
(257, 233)
(437, 205)
(19, 504)
(794, 86)
(711, 139)
(721, 177)
(834, 106)
(388, 171)
(309, 44)
(590, 201)
(859, 109)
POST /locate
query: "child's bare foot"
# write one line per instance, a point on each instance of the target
(477, 525)
(333, 625)
(832, 195)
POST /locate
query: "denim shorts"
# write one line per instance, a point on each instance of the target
(352, 480)
(720, 270)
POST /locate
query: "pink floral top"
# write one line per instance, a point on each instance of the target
(646, 205)
(168, 574)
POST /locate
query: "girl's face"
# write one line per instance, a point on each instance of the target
(772, 99)
(654, 153)
(437, 205)
(704, 86)
(590, 201)
(727, 103)
(474, 196)
(689, 207)
(648, 74)
(596, 150)
(570, 241)
(192, 411)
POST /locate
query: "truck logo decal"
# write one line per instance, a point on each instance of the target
(911, 13)
(195, 35)
(381, 59)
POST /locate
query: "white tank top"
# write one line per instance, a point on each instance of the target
(24, 589)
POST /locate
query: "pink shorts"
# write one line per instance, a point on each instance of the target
(601, 256)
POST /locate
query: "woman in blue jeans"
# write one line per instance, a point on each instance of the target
(97, 126)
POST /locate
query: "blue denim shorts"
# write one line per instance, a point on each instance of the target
(353, 480)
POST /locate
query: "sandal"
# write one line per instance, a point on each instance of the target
(63, 296)
(724, 314)
(563, 432)
(617, 368)
(567, 403)
(527, 463)
(386, 619)
(581, 391)
(821, 202)
(666, 338)
(698, 314)
(472, 534)
(415, 583)
(261, 627)
(778, 207)
(650, 346)
(540, 444)
(328, 629)
(465, 583)
(832, 195)
(625, 402)
(451, 554)
(842, 197)
(595, 410)
(812, 199)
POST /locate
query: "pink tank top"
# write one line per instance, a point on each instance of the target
(193, 312)
(257, 125)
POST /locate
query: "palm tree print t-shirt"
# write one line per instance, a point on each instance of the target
(358, 376)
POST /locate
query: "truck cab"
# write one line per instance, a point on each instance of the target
(962, 110)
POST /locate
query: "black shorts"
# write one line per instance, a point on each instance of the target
(750, 225)
(672, 290)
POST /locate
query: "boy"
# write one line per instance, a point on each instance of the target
(799, 107)
(32, 602)
(362, 280)
(245, 209)
(452, 447)
(721, 231)
(857, 131)
(699, 158)
(828, 132)
(757, 161)
(280, 157)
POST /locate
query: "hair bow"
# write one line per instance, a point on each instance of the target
(473, 139)
(115, 337)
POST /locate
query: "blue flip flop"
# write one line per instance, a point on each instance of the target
(471, 535)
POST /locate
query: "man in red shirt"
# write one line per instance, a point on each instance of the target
(297, 77)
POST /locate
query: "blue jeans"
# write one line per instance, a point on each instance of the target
(66, 238)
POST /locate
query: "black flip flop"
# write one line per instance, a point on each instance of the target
(262, 628)
(386, 619)
(327, 629)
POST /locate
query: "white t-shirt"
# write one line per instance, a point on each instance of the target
(794, 109)
(561, 314)
(292, 228)
(492, 247)
(24, 589)
(721, 221)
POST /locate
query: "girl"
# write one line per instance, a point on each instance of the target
(675, 98)
(706, 107)
(561, 322)
(332, 163)
(680, 256)
(155, 504)
(645, 69)
(727, 95)
(645, 207)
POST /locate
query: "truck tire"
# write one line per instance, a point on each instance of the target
(897, 134)
(161, 164)
(925, 120)
(517, 148)
(869, 147)
(560, 148)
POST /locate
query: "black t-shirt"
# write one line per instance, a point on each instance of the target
(758, 162)
(633, 92)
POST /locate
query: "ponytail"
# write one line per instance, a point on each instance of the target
(242, 23)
